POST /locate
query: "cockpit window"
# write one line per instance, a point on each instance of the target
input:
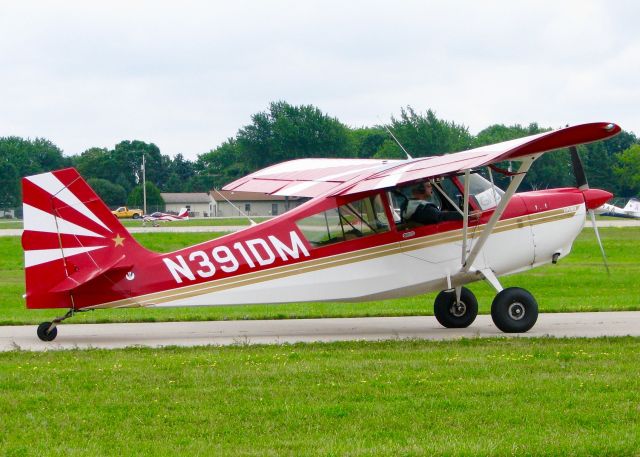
(486, 195)
(347, 222)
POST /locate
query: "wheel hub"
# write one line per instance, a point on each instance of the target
(458, 309)
(516, 311)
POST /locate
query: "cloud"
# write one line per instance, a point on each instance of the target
(187, 76)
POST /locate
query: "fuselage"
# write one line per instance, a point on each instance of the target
(275, 262)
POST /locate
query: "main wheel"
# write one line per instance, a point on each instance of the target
(136, 216)
(514, 310)
(45, 334)
(453, 314)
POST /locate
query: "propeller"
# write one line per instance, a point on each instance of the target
(583, 185)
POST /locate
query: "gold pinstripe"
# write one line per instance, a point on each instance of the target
(337, 260)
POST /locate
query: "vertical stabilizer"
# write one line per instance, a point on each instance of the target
(70, 238)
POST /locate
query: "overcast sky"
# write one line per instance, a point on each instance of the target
(187, 75)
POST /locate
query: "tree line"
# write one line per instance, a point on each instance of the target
(285, 132)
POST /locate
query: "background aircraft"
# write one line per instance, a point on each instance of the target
(349, 241)
(630, 210)
(157, 217)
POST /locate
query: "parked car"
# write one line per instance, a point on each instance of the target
(124, 213)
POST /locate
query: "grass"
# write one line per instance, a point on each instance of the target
(206, 222)
(471, 397)
(10, 224)
(577, 283)
(216, 221)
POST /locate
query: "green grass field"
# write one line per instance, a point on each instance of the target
(578, 283)
(413, 398)
(206, 222)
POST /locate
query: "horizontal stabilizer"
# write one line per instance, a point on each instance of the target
(80, 278)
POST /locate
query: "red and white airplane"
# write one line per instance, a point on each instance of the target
(349, 242)
(157, 217)
(631, 210)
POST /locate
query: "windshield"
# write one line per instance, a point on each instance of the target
(487, 195)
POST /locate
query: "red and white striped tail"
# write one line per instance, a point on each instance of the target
(70, 237)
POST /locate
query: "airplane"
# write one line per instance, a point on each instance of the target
(631, 210)
(157, 217)
(348, 242)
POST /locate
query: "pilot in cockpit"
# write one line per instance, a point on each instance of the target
(423, 207)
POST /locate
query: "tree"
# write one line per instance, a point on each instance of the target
(497, 133)
(553, 169)
(627, 170)
(97, 163)
(550, 170)
(154, 199)
(23, 157)
(9, 185)
(128, 158)
(424, 135)
(220, 166)
(366, 142)
(111, 194)
(390, 150)
(177, 173)
(288, 132)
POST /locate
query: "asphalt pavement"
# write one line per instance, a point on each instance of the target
(224, 333)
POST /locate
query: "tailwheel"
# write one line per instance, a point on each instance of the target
(514, 310)
(453, 313)
(47, 331)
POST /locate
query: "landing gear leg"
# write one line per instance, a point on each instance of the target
(47, 331)
(455, 310)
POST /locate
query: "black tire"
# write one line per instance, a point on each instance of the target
(514, 310)
(44, 334)
(456, 315)
(136, 216)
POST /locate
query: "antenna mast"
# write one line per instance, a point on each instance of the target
(399, 144)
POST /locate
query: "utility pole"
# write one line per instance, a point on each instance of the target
(144, 187)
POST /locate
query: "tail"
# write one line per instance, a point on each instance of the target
(184, 214)
(633, 205)
(72, 243)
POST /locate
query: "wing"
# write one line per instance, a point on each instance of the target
(308, 177)
(315, 177)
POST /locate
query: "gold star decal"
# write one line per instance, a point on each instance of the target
(118, 240)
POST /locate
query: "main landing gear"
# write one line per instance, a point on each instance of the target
(514, 310)
(47, 331)
(452, 312)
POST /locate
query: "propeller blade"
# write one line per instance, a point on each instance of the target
(595, 228)
(578, 169)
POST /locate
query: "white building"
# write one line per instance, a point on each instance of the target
(199, 204)
(232, 204)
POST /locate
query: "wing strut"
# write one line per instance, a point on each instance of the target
(504, 201)
(465, 216)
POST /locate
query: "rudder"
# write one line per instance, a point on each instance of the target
(70, 238)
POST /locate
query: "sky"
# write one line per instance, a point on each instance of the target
(187, 75)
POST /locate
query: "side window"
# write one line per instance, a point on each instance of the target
(347, 222)
(322, 228)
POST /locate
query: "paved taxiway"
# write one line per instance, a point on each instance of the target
(108, 336)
